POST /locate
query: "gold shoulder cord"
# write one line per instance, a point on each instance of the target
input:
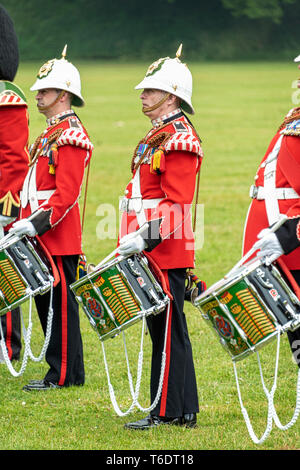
(151, 143)
(56, 134)
(295, 115)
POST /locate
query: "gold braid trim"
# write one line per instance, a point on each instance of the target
(154, 141)
(52, 138)
(8, 203)
(292, 117)
(159, 139)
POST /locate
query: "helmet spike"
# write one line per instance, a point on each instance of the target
(179, 50)
(64, 52)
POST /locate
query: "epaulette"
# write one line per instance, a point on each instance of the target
(293, 128)
(183, 140)
(11, 94)
(75, 135)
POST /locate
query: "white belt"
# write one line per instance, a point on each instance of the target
(259, 192)
(136, 204)
(39, 196)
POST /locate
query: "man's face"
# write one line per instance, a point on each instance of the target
(45, 98)
(149, 98)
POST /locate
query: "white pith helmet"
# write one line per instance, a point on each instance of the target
(297, 59)
(60, 74)
(172, 76)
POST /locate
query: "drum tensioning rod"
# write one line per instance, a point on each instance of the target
(295, 317)
(285, 286)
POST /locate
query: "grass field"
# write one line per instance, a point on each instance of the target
(239, 107)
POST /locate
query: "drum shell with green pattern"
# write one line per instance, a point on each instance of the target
(25, 272)
(247, 312)
(12, 285)
(116, 296)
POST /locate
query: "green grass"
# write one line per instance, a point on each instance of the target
(239, 107)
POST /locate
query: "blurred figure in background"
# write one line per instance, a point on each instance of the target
(14, 156)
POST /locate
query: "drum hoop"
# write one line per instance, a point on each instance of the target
(217, 287)
(28, 289)
(116, 261)
(91, 274)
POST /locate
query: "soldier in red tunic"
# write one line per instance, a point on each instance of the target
(14, 156)
(277, 191)
(50, 197)
(159, 196)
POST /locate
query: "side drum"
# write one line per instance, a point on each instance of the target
(118, 294)
(250, 308)
(25, 271)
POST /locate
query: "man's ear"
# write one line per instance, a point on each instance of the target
(66, 97)
(174, 99)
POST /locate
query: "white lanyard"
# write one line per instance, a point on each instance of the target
(29, 191)
(271, 200)
(136, 198)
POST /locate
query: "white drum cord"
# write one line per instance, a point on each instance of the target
(27, 339)
(272, 414)
(135, 392)
(27, 333)
(48, 330)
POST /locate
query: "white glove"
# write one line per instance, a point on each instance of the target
(23, 227)
(131, 243)
(268, 244)
(5, 220)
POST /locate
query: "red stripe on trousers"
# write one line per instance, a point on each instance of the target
(164, 393)
(8, 334)
(64, 322)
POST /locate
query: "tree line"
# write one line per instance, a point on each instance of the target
(142, 30)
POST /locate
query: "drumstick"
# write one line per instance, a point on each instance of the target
(280, 221)
(115, 251)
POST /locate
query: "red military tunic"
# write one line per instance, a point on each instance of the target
(165, 165)
(14, 159)
(53, 184)
(287, 191)
(14, 156)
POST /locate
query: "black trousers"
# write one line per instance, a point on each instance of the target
(65, 352)
(179, 392)
(11, 327)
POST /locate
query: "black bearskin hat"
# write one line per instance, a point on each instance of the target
(9, 52)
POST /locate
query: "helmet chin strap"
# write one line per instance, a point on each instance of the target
(45, 108)
(157, 105)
